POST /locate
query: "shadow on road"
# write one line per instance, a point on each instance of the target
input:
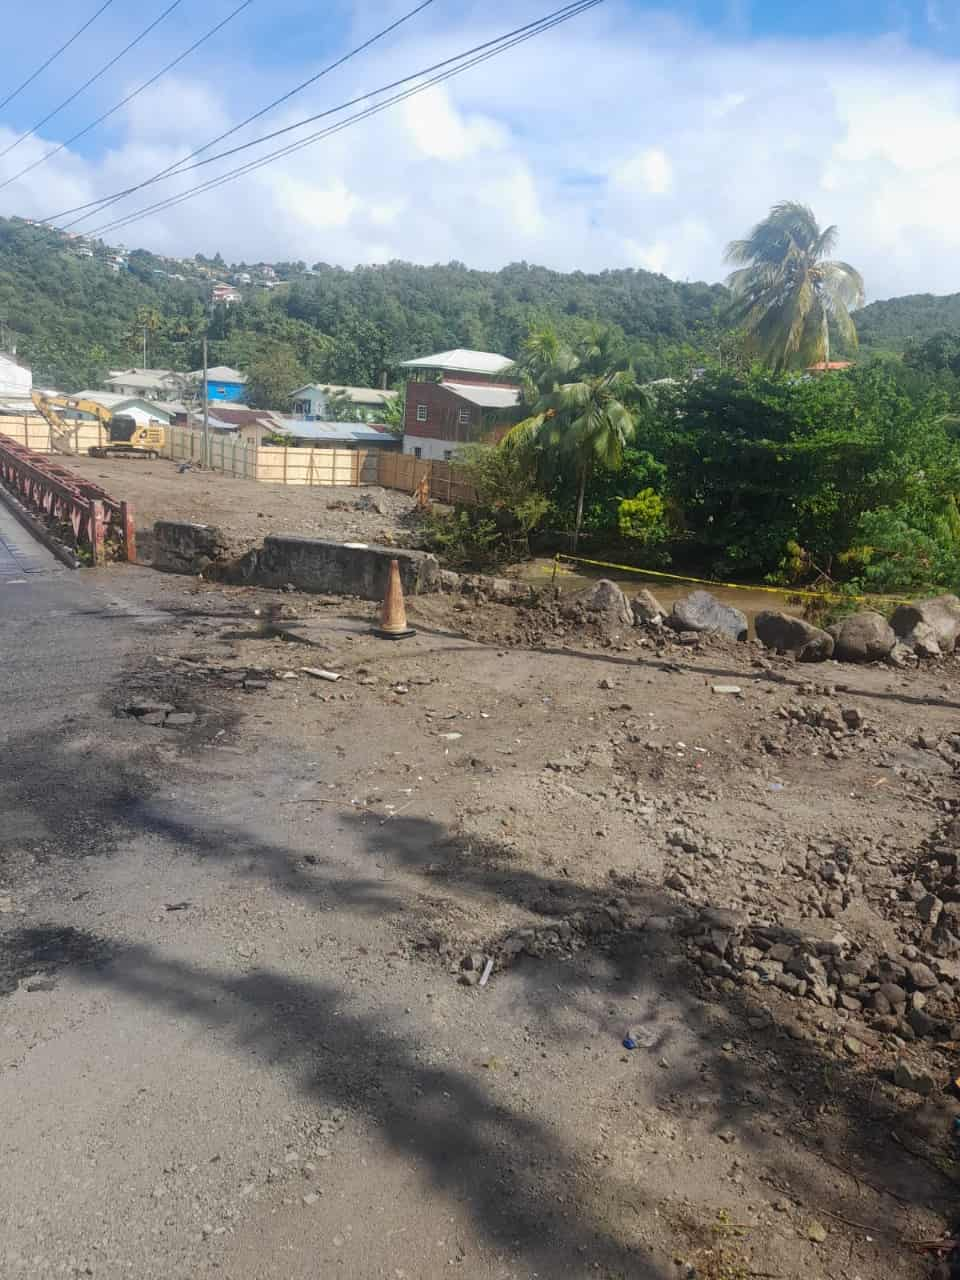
(794, 1105)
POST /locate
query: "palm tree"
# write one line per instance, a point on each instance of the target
(581, 412)
(786, 294)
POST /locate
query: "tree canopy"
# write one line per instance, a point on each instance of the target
(787, 293)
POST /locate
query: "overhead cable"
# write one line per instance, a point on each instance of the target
(507, 41)
(53, 57)
(96, 76)
(106, 201)
(130, 96)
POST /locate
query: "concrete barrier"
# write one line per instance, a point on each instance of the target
(309, 564)
(189, 548)
(314, 564)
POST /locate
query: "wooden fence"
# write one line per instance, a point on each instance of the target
(274, 464)
(268, 463)
(404, 471)
(35, 433)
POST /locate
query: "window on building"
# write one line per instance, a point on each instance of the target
(464, 417)
(447, 455)
(418, 453)
(421, 413)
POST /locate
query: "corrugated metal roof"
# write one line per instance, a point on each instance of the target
(244, 417)
(220, 373)
(347, 432)
(356, 395)
(484, 396)
(462, 360)
(140, 380)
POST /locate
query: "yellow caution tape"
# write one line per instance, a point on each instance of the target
(733, 586)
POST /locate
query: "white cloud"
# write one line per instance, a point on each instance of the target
(440, 131)
(624, 138)
(647, 170)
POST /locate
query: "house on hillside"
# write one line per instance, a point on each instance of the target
(226, 294)
(455, 398)
(310, 402)
(225, 385)
(16, 379)
(148, 384)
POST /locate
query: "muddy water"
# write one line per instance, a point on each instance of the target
(575, 577)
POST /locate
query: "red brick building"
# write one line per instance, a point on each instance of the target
(455, 398)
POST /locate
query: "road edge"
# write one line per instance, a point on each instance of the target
(34, 527)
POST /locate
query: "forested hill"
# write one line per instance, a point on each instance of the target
(892, 324)
(74, 317)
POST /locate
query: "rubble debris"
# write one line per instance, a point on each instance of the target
(916, 1081)
(929, 628)
(647, 609)
(702, 612)
(603, 600)
(863, 637)
(787, 634)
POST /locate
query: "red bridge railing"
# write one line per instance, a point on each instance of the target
(80, 513)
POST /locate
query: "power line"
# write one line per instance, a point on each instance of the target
(504, 42)
(53, 57)
(86, 85)
(130, 96)
(343, 106)
(106, 201)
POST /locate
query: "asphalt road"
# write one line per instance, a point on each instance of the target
(222, 1052)
(214, 1059)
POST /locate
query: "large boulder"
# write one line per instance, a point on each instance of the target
(702, 612)
(926, 621)
(603, 600)
(787, 634)
(863, 637)
(647, 609)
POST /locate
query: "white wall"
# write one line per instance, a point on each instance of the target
(317, 402)
(431, 450)
(15, 380)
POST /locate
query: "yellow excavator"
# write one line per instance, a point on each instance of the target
(128, 438)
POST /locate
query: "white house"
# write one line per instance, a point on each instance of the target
(15, 378)
(148, 384)
(140, 408)
(310, 402)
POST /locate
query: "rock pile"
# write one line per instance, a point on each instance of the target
(890, 992)
(929, 628)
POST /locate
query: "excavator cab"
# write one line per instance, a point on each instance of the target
(128, 438)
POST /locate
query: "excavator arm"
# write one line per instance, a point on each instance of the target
(65, 430)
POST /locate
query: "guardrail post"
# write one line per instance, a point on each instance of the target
(129, 532)
(97, 525)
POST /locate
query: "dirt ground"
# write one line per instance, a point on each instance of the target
(247, 510)
(299, 889)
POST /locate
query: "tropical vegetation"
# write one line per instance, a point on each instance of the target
(786, 292)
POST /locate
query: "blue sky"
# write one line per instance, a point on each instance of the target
(635, 135)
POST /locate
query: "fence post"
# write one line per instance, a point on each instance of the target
(97, 523)
(129, 532)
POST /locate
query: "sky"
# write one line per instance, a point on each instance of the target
(631, 136)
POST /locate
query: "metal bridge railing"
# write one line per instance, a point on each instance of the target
(80, 513)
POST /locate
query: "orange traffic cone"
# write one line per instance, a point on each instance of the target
(393, 616)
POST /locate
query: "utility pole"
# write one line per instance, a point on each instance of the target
(144, 348)
(206, 423)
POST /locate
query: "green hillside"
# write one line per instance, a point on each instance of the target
(74, 318)
(893, 324)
